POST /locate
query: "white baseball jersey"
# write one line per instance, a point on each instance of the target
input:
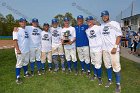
(94, 37)
(34, 36)
(56, 36)
(23, 39)
(72, 35)
(46, 41)
(110, 31)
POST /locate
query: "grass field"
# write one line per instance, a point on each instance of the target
(62, 83)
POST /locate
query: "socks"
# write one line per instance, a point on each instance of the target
(109, 73)
(99, 72)
(32, 66)
(38, 65)
(82, 65)
(18, 72)
(69, 64)
(75, 65)
(43, 66)
(94, 70)
(50, 65)
(25, 68)
(88, 67)
(63, 65)
(118, 77)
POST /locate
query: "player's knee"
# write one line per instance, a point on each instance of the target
(87, 61)
(18, 65)
(74, 59)
(98, 66)
(117, 69)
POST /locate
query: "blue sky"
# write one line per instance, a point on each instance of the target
(45, 10)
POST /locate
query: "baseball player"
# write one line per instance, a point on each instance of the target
(95, 44)
(68, 37)
(21, 42)
(57, 48)
(111, 36)
(35, 45)
(82, 44)
(46, 47)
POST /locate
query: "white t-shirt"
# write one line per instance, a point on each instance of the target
(72, 35)
(34, 36)
(94, 37)
(110, 32)
(23, 39)
(46, 41)
(56, 36)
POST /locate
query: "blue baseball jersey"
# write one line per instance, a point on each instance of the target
(81, 37)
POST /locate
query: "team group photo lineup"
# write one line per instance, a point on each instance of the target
(53, 49)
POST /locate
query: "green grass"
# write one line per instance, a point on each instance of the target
(62, 83)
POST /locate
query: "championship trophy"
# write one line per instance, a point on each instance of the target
(66, 37)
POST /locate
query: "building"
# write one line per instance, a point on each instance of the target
(130, 17)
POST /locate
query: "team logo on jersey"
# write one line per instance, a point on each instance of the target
(92, 34)
(55, 33)
(26, 35)
(82, 28)
(45, 37)
(35, 32)
(106, 30)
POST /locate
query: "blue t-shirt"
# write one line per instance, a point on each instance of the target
(81, 37)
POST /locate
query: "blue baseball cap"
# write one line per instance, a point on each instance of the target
(54, 20)
(22, 19)
(66, 19)
(46, 24)
(104, 13)
(89, 18)
(35, 20)
(80, 17)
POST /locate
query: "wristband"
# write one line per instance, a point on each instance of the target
(115, 46)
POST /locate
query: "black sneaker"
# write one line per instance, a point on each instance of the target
(39, 73)
(19, 81)
(32, 73)
(69, 71)
(93, 78)
(100, 81)
(108, 83)
(118, 88)
(27, 75)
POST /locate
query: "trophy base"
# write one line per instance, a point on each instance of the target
(66, 41)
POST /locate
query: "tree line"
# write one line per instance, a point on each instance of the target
(8, 22)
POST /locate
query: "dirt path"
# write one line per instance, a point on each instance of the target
(4, 44)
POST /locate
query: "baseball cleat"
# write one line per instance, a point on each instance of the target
(63, 69)
(19, 81)
(50, 69)
(118, 88)
(27, 75)
(32, 73)
(39, 73)
(82, 72)
(100, 82)
(108, 83)
(56, 70)
(43, 71)
(93, 78)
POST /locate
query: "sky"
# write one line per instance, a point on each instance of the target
(45, 10)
